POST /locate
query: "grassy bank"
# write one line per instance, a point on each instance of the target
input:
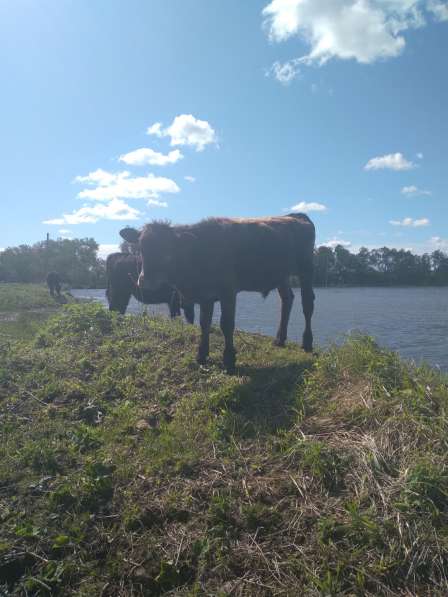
(125, 469)
(24, 307)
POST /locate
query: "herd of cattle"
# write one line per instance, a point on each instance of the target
(212, 261)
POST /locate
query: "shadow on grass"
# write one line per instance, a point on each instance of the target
(270, 399)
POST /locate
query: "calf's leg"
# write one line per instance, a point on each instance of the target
(228, 305)
(205, 320)
(188, 312)
(287, 298)
(118, 300)
(306, 289)
(174, 305)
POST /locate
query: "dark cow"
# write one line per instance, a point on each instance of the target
(54, 283)
(216, 258)
(123, 270)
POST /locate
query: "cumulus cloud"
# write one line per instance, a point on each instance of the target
(156, 203)
(412, 190)
(409, 222)
(102, 178)
(116, 209)
(438, 9)
(334, 242)
(146, 156)
(190, 179)
(362, 30)
(122, 185)
(391, 161)
(305, 207)
(155, 129)
(186, 130)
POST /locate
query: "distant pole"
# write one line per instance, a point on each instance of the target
(47, 247)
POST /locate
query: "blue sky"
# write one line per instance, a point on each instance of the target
(338, 108)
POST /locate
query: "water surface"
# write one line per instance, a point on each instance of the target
(412, 321)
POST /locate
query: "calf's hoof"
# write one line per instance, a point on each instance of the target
(229, 359)
(307, 342)
(307, 346)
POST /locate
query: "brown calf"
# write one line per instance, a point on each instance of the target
(218, 257)
(123, 270)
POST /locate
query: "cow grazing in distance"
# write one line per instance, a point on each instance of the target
(54, 284)
(123, 270)
(218, 257)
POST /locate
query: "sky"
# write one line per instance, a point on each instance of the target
(115, 113)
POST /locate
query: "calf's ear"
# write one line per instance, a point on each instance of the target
(130, 234)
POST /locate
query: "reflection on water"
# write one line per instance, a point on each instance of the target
(412, 321)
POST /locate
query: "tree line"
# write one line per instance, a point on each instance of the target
(379, 267)
(75, 260)
(78, 264)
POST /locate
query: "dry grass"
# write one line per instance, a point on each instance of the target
(126, 469)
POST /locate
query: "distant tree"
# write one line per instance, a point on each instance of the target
(75, 260)
(378, 267)
(324, 262)
(78, 265)
(439, 264)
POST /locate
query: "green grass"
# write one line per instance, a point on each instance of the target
(127, 469)
(23, 297)
(24, 307)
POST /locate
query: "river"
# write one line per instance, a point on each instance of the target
(411, 321)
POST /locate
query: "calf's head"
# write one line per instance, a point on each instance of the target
(162, 249)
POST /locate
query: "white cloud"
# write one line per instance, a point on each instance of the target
(146, 156)
(190, 179)
(65, 234)
(122, 185)
(54, 221)
(413, 190)
(186, 130)
(391, 161)
(156, 203)
(409, 222)
(436, 242)
(286, 72)
(116, 209)
(362, 30)
(305, 207)
(155, 129)
(438, 9)
(334, 242)
(102, 178)
(107, 249)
